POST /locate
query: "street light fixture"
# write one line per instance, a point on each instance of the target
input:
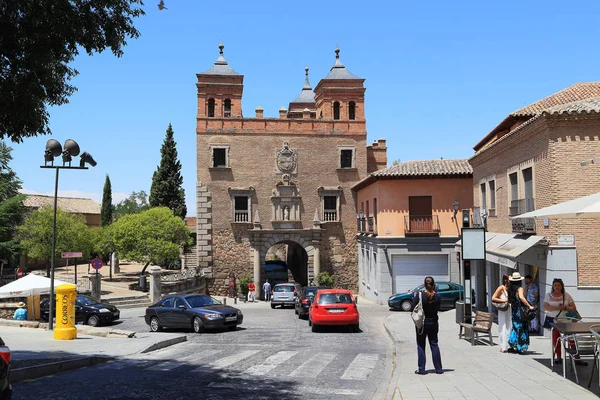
(53, 150)
(455, 207)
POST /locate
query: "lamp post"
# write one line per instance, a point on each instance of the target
(54, 149)
(361, 216)
(455, 207)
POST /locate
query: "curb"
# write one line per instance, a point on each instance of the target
(163, 343)
(389, 331)
(38, 371)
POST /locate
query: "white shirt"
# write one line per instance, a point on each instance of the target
(556, 302)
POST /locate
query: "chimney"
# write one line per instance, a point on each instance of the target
(282, 113)
(306, 113)
(259, 112)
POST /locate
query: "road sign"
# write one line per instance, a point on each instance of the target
(71, 255)
(97, 263)
(19, 273)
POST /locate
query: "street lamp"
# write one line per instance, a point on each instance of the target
(361, 216)
(456, 207)
(53, 150)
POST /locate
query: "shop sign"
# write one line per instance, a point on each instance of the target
(565, 240)
(523, 225)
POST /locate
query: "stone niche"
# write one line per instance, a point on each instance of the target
(286, 206)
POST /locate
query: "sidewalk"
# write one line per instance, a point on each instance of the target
(480, 371)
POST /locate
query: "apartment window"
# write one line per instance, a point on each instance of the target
(483, 197)
(211, 108)
(514, 194)
(330, 203)
(241, 200)
(528, 189)
(352, 110)
(492, 187)
(219, 156)
(336, 110)
(330, 208)
(227, 108)
(346, 157)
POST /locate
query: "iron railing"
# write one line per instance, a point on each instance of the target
(521, 206)
(181, 275)
(421, 224)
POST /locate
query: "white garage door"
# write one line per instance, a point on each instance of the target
(410, 270)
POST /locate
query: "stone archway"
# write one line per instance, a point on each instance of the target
(293, 257)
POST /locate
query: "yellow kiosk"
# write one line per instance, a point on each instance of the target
(64, 328)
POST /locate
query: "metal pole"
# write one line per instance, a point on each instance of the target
(76, 271)
(52, 299)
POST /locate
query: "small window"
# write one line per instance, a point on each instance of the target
(336, 110)
(227, 108)
(352, 110)
(330, 203)
(219, 157)
(492, 185)
(330, 208)
(483, 196)
(241, 209)
(346, 159)
(211, 108)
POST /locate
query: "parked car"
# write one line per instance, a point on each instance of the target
(302, 299)
(284, 294)
(5, 387)
(195, 311)
(448, 291)
(87, 311)
(333, 307)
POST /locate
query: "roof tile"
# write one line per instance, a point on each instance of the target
(72, 205)
(427, 168)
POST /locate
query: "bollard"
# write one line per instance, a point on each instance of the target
(224, 301)
(235, 300)
(65, 312)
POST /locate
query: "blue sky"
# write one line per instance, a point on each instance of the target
(439, 76)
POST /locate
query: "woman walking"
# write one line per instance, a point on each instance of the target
(500, 296)
(431, 304)
(519, 336)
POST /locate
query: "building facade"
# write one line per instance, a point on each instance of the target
(264, 183)
(529, 161)
(408, 227)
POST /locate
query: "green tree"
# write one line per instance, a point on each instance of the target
(325, 279)
(166, 190)
(106, 214)
(39, 40)
(12, 211)
(72, 234)
(134, 204)
(151, 237)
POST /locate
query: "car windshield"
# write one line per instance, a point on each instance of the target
(335, 298)
(283, 288)
(417, 289)
(310, 292)
(201, 301)
(86, 301)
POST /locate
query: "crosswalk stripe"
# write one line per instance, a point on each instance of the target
(361, 367)
(314, 365)
(271, 363)
(229, 360)
(164, 366)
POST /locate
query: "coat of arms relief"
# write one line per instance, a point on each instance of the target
(287, 160)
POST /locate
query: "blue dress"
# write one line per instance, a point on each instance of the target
(519, 336)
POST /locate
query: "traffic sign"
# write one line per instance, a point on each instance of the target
(97, 263)
(72, 254)
(19, 273)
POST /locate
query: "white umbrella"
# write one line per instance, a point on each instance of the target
(29, 285)
(583, 207)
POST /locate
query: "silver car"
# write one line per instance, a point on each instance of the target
(284, 294)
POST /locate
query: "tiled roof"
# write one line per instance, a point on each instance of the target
(578, 91)
(71, 205)
(339, 71)
(577, 107)
(427, 168)
(220, 67)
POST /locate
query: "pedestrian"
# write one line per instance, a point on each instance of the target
(311, 282)
(267, 290)
(251, 291)
(557, 304)
(533, 297)
(431, 305)
(20, 312)
(518, 339)
(500, 296)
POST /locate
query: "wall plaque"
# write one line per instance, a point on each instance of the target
(565, 240)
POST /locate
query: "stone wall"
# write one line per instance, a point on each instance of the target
(339, 256)
(231, 253)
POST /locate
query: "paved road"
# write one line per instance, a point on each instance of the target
(273, 355)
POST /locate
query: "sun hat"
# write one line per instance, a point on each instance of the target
(515, 277)
(20, 304)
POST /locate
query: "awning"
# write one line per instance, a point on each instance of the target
(492, 240)
(582, 207)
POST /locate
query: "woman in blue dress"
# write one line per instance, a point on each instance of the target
(519, 336)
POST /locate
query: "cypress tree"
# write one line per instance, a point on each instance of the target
(166, 189)
(106, 215)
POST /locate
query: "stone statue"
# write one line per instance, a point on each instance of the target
(286, 213)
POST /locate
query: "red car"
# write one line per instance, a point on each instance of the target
(333, 307)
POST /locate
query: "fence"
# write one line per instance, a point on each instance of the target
(181, 275)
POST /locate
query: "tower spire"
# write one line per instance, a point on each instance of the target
(306, 82)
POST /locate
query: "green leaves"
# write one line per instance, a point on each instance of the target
(12, 210)
(134, 204)
(106, 214)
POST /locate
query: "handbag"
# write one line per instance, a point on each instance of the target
(527, 314)
(573, 315)
(417, 314)
(500, 306)
(549, 320)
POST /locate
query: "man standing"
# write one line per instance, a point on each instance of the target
(267, 290)
(533, 297)
(251, 291)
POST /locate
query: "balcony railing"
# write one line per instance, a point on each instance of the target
(241, 216)
(521, 206)
(421, 224)
(366, 225)
(329, 215)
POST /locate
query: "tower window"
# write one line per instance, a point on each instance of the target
(211, 108)
(227, 108)
(219, 156)
(336, 110)
(352, 110)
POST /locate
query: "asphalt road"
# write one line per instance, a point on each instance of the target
(272, 355)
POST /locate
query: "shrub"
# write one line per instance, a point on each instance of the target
(325, 279)
(243, 284)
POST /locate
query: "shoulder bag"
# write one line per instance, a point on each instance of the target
(417, 314)
(500, 306)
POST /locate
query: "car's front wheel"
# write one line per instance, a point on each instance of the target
(198, 325)
(93, 320)
(155, 325)
(406, 305)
